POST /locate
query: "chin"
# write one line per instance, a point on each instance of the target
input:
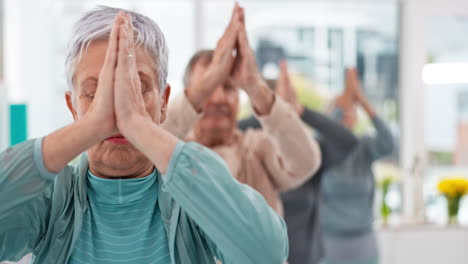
(219, 124)
(114, 158)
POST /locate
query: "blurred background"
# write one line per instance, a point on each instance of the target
(412, 58)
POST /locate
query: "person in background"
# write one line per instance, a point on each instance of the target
(301, 205)
(279, 158)
(348, 187)
(139, 194)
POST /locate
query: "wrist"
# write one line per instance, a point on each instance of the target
(299, 109)
(95, 126)
(261, 97)
(366, 106)
(129, 128)
(369, 110)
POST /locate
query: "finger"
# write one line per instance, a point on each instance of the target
(283, 65)
(234, 12)
(237, 59)
(130, 28)
(244, 48)
(132, 50)
(230, 33)
(284, 70)
(241, 15)
(112, 47)
(348, 81)
(131, 43)
(353, 78)
(124, 52)
(229, 37)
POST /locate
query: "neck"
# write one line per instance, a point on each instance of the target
(213, 138)
(131, 174)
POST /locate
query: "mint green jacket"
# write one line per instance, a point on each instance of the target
(207, 214)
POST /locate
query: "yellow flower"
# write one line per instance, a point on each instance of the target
(453, 186)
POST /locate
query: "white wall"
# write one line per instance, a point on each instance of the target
(31, 74)
(4, 133)
(428, 245)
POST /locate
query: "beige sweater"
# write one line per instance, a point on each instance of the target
(280, 157)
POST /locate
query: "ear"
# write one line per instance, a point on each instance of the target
(165, 102)
(69, 99)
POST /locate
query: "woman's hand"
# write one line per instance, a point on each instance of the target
(247, 76)
(285, 89)
(357, 93)
(128, 100)
(220, 67)
(96, 125)
(101, 112)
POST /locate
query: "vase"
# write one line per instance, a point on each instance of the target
(385, 209)
(453, 205)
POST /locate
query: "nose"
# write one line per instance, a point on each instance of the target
(218, 96)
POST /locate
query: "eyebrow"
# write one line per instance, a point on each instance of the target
(144, 75)
(89, 79)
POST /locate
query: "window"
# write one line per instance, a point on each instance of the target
(319, 40)
(446, 109)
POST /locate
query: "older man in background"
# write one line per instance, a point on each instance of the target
(139, 194)
(281, 157)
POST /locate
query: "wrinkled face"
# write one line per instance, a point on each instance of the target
(219, 119)
(116, 156)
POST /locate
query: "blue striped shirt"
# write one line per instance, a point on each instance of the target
(123, 223)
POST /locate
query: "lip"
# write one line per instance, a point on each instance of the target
(218, 112)
(117, 139)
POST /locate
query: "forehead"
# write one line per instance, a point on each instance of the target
(198, 69)
(93, 58)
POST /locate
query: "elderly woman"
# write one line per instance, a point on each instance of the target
(277, 159)
(138, 195)
(348, 187)
(331, 216)
(301, 205)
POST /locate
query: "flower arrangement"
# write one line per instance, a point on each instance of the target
(386, 175)
(453, 188)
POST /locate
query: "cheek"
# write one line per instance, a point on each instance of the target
(234, 104)
(82, 106)
(152, 104)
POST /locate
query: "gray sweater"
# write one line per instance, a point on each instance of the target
(347, 200)
(301, 206)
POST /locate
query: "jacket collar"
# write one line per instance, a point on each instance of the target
(170, 209)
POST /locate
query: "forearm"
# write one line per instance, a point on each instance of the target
(261, 97)
(382, 143)
(367, 107)
(235, 218)
(154, 141)
(25, 195)
(330, 130)
(63, 145)
(294, 156)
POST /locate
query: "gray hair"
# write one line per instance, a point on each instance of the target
(96, 24)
